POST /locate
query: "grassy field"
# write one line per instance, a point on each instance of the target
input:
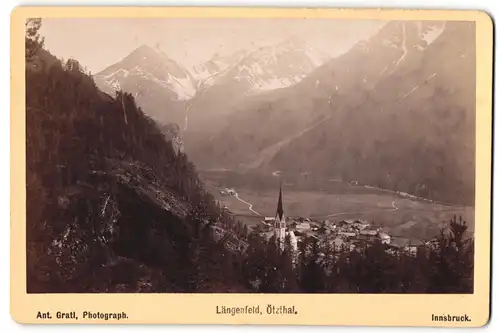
(398, 215)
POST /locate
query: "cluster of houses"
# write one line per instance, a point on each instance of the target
(227, 191)
(343, 235)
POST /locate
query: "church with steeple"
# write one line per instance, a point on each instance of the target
(280, 227)
(280, 222)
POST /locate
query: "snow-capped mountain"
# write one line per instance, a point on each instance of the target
(265, 68)
(225, 82)
(274, 66)
(375, 59)
(146, 71)
(166, 90)
(206, 73)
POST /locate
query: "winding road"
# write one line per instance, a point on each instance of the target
(247, 203)
(236, 195)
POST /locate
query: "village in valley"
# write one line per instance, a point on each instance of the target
(332, 235)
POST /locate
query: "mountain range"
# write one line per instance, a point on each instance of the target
(392, 111)
(165, 89)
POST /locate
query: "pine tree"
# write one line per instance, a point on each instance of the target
(379, 270)
(451, 261)
(290, 283)
(313, 274)
(272, 281)
(254, 265)
(33, 41)
(331, 274)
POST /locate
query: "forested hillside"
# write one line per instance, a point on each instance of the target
(111, 206)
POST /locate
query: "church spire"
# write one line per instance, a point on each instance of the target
(280, 211)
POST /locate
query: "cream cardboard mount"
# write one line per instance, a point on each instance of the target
(251, 166)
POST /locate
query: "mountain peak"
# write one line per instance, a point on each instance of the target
(144, 48)
(145, 70)
(145, 52)
(294, 41)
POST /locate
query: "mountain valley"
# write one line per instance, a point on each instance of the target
(289, 107)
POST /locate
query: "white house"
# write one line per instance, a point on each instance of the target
(384, 238)
(268, 220)
(303, 226)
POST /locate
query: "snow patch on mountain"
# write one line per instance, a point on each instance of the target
(276, 66)
(417, 86)
(432, 33)
(147, 64)
(403, 48)
(183, 87)
(205, 74)
(276, 83)
(391, 42)
(262, 69)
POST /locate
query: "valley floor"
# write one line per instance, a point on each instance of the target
(403, 217)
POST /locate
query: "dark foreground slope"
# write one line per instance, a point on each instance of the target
(111, 207)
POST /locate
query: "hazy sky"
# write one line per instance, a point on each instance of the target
(99, 42)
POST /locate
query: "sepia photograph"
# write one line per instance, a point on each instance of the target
(250, 155)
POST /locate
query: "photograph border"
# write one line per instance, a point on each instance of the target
(312, 309)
